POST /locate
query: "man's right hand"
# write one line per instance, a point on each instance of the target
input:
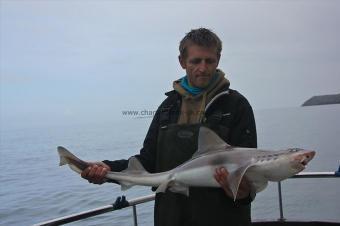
(96, 172)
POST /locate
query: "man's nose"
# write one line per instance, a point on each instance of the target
(202, 67)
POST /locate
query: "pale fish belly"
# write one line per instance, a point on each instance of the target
(199, 177)
(271, 171)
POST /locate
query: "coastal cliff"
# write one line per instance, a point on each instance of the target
(323, 100)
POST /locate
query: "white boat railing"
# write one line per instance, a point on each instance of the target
(120, 204)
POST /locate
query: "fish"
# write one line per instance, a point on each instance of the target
(256, 165)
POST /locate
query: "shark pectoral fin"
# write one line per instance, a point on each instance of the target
(259, 185)
(162, 187)
(235, 178)
(135, 167)
(179, 188)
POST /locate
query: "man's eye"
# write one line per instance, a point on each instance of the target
(196, 61)
(210, 61)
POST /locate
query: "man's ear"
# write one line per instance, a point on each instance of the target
(218, 58)
(182, 62)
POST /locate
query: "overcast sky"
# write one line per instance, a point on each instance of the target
(79, 61)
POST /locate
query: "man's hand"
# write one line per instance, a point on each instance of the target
(96, 172)
(221, 177)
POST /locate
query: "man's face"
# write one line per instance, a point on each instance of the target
(200, 65)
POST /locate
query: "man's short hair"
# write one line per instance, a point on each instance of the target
(201, 37)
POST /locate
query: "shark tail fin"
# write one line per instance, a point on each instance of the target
(66, 157)
(63, 153)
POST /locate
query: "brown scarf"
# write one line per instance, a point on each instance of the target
(192, 108)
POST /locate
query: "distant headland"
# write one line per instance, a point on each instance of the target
(323, 100)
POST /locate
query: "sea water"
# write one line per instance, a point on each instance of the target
(35, 189)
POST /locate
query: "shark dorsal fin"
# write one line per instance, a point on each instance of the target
(209, 141)
(135, 166)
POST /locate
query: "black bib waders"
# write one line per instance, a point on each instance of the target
(168, 145)
(204, 206)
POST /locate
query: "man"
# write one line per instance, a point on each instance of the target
(202, 97)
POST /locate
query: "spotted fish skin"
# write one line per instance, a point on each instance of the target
(258, 166)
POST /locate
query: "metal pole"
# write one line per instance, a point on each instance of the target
(135, 223)
(139, 200)
(280, 202)
(316, 175)
(77, 216)
(93, 212)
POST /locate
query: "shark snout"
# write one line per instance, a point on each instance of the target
(305, 157)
